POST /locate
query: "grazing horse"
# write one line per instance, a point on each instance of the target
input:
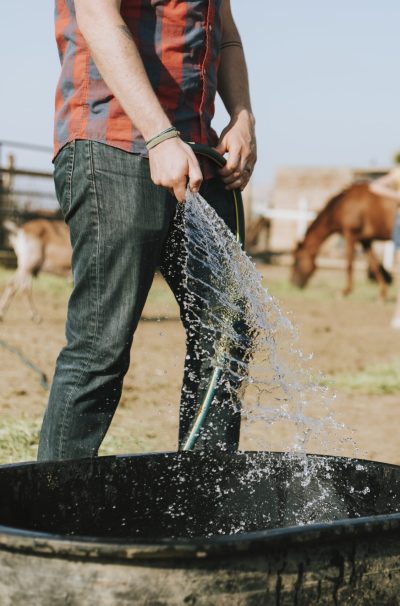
(359, 216)
(40, 245)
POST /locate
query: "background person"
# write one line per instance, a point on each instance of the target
(389, 186)
(136, 71)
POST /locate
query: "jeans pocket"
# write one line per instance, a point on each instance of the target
(63, 171)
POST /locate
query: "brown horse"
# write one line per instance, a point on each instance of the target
(359, 216)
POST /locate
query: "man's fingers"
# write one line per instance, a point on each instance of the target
(246, 166)
(239, 182)
(247, 162)
(231, 177)
(243, 173)
(179, 187)
(173, 165)
(195, 175)
(232, 164)
(221, 148)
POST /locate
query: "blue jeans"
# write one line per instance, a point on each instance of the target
(396, 231)
(121, 227)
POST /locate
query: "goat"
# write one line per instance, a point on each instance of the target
(40, 245)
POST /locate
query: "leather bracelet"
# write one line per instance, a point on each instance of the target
(168, 133)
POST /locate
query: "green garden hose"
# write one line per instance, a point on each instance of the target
(210, 153)
(204, 406)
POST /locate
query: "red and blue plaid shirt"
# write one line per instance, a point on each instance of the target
(179, 43)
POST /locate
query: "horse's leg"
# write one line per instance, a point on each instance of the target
(11, 288)
(22, 282)
(30, 253)
(26, 287)
(375, 267)
(350, 245)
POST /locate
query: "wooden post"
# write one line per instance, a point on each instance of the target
(8, 176)
(6, 186)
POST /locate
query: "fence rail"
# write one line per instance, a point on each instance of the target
(20, 172)
(25, 193)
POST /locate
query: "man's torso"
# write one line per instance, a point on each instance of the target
(179, 43)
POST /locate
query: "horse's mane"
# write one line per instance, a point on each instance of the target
(332, 203)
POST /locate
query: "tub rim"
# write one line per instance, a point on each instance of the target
(85, 547)
(14, 539)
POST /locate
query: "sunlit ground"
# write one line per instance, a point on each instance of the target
(351, 341)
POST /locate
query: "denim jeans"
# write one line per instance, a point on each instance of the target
(396, 231)
(121, 226)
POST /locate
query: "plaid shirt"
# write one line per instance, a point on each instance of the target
(179, 44)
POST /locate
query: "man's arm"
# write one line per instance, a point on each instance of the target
(120, 65)
(385, 186)
(238, 138)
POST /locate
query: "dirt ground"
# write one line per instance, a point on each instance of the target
(351, 340)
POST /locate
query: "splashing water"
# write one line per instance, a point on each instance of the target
(263, 376)
(254, 342)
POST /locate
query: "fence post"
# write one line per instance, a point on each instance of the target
(8, 177)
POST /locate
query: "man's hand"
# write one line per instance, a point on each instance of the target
(238, 140)
(174, 165)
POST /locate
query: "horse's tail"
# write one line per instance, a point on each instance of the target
(10, 226)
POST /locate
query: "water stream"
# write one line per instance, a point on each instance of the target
(264, 372)
(256, 343)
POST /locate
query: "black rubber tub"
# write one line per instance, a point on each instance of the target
(203, 529)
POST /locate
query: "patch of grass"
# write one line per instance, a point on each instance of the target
(18, 439)
(44, 282)
(379, 379)
(161, 301)
(5, 274)
(54, 284)
(121, 441)
(324, 286)
(160, 294)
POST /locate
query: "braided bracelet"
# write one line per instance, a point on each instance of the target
(168, 133)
